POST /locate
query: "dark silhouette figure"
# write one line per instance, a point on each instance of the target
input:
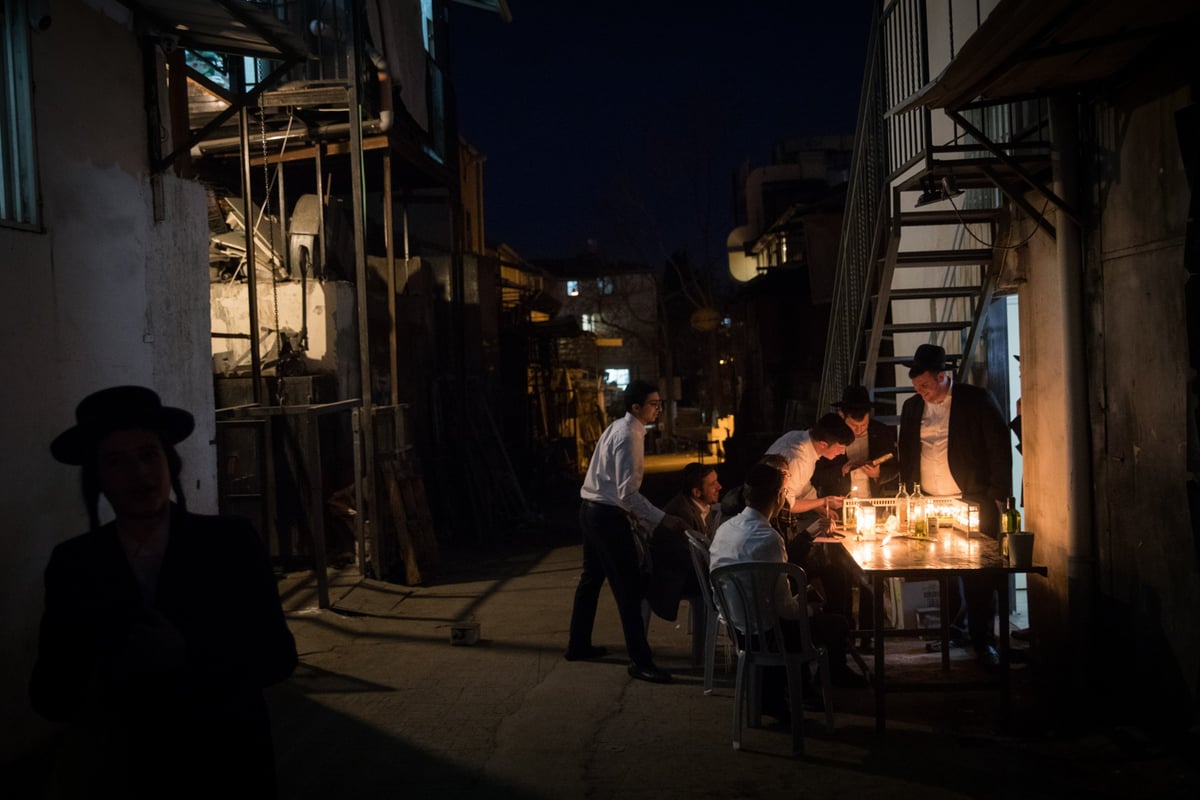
(161, 628)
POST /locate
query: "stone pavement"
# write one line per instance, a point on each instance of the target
(384, 706)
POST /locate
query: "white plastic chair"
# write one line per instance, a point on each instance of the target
(746, 594)
(699, 550)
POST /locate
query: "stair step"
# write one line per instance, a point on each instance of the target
(944, 258)
(922, 327)
(949, 216)
(931, 293)
(951, 360)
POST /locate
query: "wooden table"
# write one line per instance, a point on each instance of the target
(950, 554)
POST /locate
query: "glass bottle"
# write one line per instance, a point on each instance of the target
(902, 508)
(1012, 524)
(916, 511)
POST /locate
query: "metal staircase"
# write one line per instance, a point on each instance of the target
(926, 226)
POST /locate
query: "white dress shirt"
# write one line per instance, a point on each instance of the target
(801, 455)
(936, 479)
(750, 537)
(614, 476)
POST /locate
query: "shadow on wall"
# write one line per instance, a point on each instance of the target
(1150, 693)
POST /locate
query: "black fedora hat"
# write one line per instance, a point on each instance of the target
(119, 408)
(928, 358)
(855, 398)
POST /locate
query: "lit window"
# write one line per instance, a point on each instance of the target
(427, 26)
(587, 322)
(573, 288)
(618, 376)
(18, 175)
(605, 285)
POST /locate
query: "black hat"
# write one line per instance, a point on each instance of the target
(115, 409)
(855, 398)
(928, 358)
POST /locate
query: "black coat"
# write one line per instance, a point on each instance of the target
(979, 449)
(196, 721)
(881, 440)
(673, 575)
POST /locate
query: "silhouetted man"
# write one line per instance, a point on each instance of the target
(161, 628)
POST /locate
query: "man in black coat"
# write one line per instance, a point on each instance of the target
(954, 440)
(872, 439)
(161, 628)
(674, 576)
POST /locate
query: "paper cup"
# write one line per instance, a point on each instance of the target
(1020, 549)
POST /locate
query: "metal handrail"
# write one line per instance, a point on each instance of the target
(889, 143)
(865, 197)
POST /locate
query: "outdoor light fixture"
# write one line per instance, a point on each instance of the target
(936, 192)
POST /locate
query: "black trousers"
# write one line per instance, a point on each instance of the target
(979, 592)
(609, 553)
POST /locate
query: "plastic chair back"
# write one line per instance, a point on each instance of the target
(749, 596)
(698, 546)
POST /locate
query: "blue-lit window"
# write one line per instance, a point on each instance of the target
(427, 26)
(18, 163)
(618, 376)
(573, 288)
(605, 285)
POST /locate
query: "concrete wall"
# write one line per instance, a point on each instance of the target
(102, 295)
(332, 333)
(1132, 581)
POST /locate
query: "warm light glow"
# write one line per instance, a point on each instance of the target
(928, 518)
(864, 521)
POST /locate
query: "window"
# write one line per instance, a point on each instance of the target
(587, 322)
(573, 288)
(618, 376)
(605, 285)
(18, 174)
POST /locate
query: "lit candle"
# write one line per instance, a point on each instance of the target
(866, 521)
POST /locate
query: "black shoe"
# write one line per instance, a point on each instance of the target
(649, 673)
(988, 657)
(586, 654)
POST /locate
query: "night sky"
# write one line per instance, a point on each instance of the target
(622, 123)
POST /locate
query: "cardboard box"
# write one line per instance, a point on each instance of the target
(914, 595)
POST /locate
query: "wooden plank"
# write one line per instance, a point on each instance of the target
(421, 528)
(399, 520)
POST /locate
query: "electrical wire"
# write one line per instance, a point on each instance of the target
(993, 245)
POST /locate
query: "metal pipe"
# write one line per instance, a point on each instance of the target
(389, 235)
(313, 134)
(360, 262)
(1078, 481)
(251, 271)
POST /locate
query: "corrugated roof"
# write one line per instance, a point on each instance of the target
(223, 26)
(1037, 46)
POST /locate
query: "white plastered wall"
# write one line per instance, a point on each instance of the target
(102, 295)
